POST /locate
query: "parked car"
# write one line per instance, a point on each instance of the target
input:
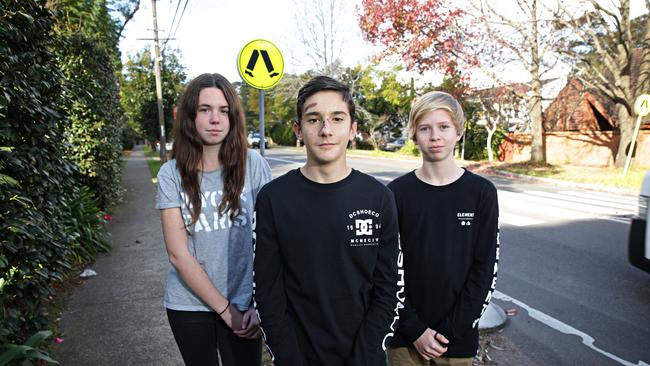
(394, 144)
(639, 240)
(254, 140)
(168, 146)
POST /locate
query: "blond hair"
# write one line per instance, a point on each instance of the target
(430, 102)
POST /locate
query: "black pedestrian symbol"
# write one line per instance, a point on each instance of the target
(267, 61)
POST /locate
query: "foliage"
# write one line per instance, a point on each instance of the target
(138, 92)
(86, 224)
(382, 101)
(153, 160)
(60, 129)
(410, 148)
(23, 355)
(282, 134)
(34, 244)
(89, 19)
(94, 117)
(364, 144)
(475, 143)
(125, 9)
(422, 33)
(433, 34)
(279, 108)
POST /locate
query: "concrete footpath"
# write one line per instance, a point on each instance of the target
(117, 317)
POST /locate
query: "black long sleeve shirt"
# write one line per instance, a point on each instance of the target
(326, 270)
(449, 237)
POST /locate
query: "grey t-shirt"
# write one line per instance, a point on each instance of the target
(223, 247)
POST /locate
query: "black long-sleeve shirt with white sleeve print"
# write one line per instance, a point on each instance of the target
(450, 240)
(326, 270)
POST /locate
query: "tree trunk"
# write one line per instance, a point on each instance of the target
(626, 127)
(490, 132)
(537, 152)
(490, 155)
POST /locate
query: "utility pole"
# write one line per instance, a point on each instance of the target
(161, 116)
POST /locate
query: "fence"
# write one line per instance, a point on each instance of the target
(588, 148)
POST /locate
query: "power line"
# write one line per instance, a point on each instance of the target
(178, 5)
(179, 21)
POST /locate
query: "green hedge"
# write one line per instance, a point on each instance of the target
(94, 117)
(48, 220)
(282, 134)
(34, 245)
(475, 145)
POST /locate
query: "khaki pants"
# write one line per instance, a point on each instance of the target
(408, 356)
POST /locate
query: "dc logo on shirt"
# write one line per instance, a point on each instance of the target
(364, 227)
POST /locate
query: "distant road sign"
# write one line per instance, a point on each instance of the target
(642, 105)
(260, 64)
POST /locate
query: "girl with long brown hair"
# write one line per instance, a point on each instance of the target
(206, 196)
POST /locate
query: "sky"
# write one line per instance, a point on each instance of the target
(212, 32)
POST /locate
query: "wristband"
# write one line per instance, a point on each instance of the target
(224, 309)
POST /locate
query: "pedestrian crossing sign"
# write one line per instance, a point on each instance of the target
(642, 105)
(260, 64)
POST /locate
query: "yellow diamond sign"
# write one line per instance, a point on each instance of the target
(260, 64)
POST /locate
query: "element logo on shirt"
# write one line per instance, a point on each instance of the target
(362, 225)
(465, 218)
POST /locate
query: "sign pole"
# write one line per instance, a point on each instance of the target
(261, 109)
(631, 151)
(642, 109)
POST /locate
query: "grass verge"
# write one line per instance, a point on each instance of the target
(153, 160)
(606, 176)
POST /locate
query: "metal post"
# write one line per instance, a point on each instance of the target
(462, 151)
(631, 151)
(261, 109)
(161, 116)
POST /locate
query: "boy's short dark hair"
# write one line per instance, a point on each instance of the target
(322, 83)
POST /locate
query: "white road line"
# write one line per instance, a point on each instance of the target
(562, 327)
(604, 197)
(517, 220)
(594, 201)
(621, 220)
(550, 204)
(285, 161)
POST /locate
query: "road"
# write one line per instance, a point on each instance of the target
(563, 271)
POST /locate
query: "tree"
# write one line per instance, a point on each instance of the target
(497, 107)
(382, 101)
(431, 35)
(321, 33)
(609, 55)
(422, 33)
(126, 10)
(138, 91)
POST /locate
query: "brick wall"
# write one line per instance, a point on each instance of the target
(588, 148)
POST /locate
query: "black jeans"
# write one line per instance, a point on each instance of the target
(199, 334)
